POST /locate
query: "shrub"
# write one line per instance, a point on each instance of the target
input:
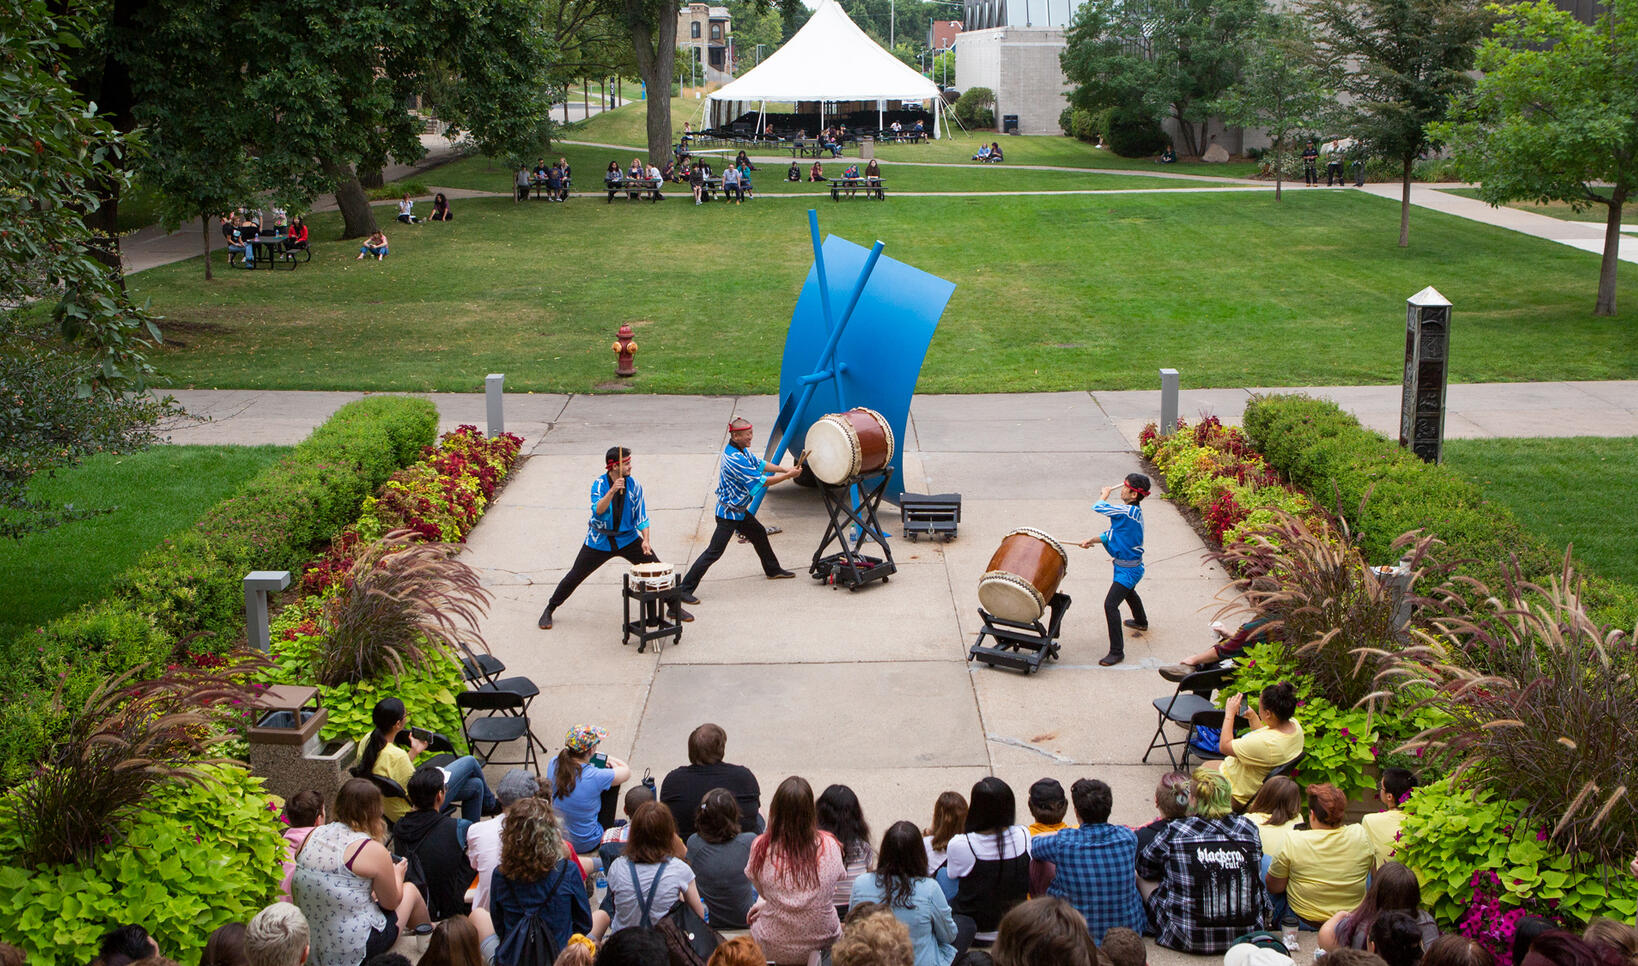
(1134, 133)
(196, 856)
(1079, 123)
(976, 107)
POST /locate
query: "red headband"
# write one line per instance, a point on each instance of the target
(739, 425)
(1137, 489)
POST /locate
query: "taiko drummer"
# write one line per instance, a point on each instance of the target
(1124, 541)
(742, 476)
(619, 528)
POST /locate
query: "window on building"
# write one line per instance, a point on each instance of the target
(694, 30)
(716, 31)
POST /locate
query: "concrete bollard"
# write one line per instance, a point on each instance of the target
(257, 584)
(494, 387)
(1168, 402)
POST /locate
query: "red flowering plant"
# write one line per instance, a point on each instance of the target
(442, 497)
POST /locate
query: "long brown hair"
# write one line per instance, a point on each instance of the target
(652, 831)
(949, 819)
(453, 943)
(358, 806)
(568, 773)
(791, 842)
(1279, 798)
(1393, 889)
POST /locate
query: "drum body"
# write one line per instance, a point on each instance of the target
(653, 576)
(843, 446)
(1022, 576)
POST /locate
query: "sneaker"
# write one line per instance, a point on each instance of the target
(1112, 658)
(1134, 625)
(684, 616)
(688, 598)
(781, 575)
(1177, 672)
(545, 623)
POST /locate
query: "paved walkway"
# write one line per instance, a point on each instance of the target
(1585, 235)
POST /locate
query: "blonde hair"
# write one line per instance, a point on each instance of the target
(276, 936)
(576, 953)
(878, 939)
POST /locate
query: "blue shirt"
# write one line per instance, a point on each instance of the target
(1097, 874)
(742, 475)
(579, 810)
(1124, 539)
(606, 533)
(931, 924)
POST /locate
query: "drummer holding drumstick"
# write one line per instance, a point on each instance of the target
(619, 527)
(1124, 541)
(742, 475)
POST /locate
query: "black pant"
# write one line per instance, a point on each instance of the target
(751, 529)
(586, 564)
(1310, 173)
(1333, 174)
(1111, 613)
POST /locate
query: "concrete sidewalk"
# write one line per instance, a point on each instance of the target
(1585, 235)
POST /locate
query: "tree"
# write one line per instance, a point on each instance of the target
(491, 74)
(1410, 58)
(1286, 85)
(1555, 117)
(1171, 56)
(652, 27)
(73, 388)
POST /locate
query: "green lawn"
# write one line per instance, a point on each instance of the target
(1554, 209)
(1055, 292)
(152, 493)
(1532, 477)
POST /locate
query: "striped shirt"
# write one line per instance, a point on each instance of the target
(742, 475)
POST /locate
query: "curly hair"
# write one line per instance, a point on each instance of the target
(531, 841)
(878, 939)
(738, 951)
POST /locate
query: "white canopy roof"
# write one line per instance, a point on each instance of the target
(829, 59)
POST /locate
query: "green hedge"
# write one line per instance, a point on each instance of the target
(1326, 452)
(187, 594)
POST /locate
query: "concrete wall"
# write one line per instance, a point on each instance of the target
(1021, 65)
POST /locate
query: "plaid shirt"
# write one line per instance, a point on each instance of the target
(1211, 885)
(1095, 874)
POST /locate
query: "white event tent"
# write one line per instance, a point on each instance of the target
(829, 60)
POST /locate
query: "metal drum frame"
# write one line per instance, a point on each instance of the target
(849, 566)
(1019, 645)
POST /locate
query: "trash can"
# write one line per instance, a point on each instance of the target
(867, 148)
(1009, 124)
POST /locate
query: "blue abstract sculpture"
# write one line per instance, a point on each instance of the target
(858, 337)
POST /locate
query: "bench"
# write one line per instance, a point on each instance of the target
(806, 149)
(872, 188)
(635, 187)
(541, 186)
(270, 253)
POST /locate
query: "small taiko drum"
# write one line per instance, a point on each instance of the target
(843, 446)
(653, 576)
(1023, 576)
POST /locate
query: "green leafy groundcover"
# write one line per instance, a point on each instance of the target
(1339, 745)
(197, 857)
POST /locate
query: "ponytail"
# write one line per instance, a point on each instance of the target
(385, 717)
(568, 774)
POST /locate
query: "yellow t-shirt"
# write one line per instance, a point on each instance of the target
(1273, 835)
(1325, 870)
(1042, 828)
(394, 762)
(1255, 754)
(1383, 830)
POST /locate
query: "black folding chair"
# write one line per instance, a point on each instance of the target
(494, 730)
(1211, 718)
(483, 671)
(1192, 696)
(1290, 768)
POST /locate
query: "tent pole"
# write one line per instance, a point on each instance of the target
(761, 115)
(879, 118)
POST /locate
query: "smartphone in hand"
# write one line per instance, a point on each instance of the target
(600, 760)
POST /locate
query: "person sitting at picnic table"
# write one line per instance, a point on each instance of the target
(540, 171)
(696, 178)
(240, 245)
(896, 127)
(983, 155)
(655, 180)
(850, 173)
(743, 161)
(835, 144)
(817, 172)
(440, 208)
(745, 180)
(873, 172)
(795, 172)
(919, 129)
(995, 153)
(297, 238)
(375, 245)
(636, 170)
(554, 183)
(730, 185)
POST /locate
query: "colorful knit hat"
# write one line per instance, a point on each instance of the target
(584, 737)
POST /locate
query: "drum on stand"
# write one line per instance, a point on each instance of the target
(1023, 575)
(653, 576)
(844, 446)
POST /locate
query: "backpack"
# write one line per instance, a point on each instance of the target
(531, 942)
(689, 940)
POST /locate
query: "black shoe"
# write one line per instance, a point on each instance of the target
(683, 616)
(1134, 625)
(688, 598)
(546, 619)
(1112, 658)
(781, 575)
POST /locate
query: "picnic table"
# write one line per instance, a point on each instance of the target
(872, 188)
(810, 149)
(269, 252)
(541, 185)
(634, 188)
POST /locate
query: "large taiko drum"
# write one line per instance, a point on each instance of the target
(843, 446)
(1022, 576)
(653, 576)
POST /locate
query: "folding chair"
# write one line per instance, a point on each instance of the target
(494, 730)
(1290, 768)
(1193, 695)
(483, 671)
(1209, 718)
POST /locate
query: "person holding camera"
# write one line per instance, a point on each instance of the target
(1274, 739)
(383, 755)
(585, 786)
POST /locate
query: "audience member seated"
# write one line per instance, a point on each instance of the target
(277, 936)
(850, 173)
(669, 172)
(239, 245)
(839, 813)
(648, 879)
(1228, 647)
(743, 161)
(1456, 950)
(718, 851)
(1203, 906)
(1393, 888)
(655, 179)
(637, 169)
(579, 778)
(1123, 947)
(1525, 931)
(1323, 869)
(1171, 800)
(996, 157)
(1617, 938)
(1047, 806)
(1094, 863)
(696, 180)
(988, 862)
(461, 941)
(817, 172)
(745, 189)
(302, 813)
(684, 788)
(296, 240)
(348, 886)
(536, 880)
(383, 756)
(1276, 809)
(794, 173)
(873, 937)
(1168, 156)
(983, 155)
(901, 884)
(124, 945)
(435, 844)
(225, 946)
(554, 184)
(949, 820)
(873, 172)
(1274, 739)
(730, 185)
(1397, 938)
(794, 868)
(406, 211)
(1382, 827)
(1045, 930)
(440, 208)
(635, 947)
(483, 840)
(375, 245)
(738, 951)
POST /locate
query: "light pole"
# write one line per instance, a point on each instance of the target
(759, 52)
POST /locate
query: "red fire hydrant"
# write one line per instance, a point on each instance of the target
(625, 349)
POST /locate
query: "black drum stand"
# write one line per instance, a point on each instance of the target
(1018, 645)
(848, 566)
(656, 615)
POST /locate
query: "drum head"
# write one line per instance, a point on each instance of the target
(1010, 597)
(1045, 538)
(833, 449)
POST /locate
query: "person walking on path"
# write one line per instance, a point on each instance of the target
(1124, 541)
(742, 476)
(619, 527)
